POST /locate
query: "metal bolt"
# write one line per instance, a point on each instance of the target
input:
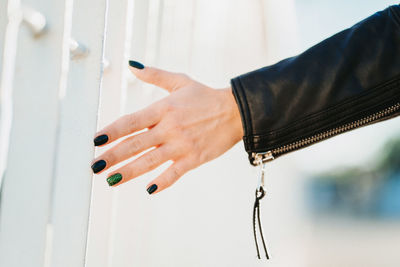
(35, 20)
(77, 49)
(106, 64)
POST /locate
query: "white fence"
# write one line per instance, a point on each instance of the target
(50, 83)
(48, 117)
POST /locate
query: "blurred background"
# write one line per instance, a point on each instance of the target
(336, 203)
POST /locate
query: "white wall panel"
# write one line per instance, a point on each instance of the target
(26, 190)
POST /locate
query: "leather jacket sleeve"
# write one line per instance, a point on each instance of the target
(347, 81)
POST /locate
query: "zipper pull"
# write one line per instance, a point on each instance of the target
(260, 159)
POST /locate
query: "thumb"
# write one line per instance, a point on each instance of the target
(170, 81)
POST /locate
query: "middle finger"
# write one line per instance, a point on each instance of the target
(127, 148)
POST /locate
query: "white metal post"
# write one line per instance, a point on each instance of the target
(100, 250)
(78, 119)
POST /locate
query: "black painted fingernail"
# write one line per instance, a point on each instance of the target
(136, 64)
(114, 179)
(98, 166)
(100, 140)
(152, 188)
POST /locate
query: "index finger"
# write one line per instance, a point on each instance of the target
(170, 81)
(129, 124)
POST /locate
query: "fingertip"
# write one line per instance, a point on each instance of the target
(114, 180)
(152, 188)
(100, 140)
(98, 166)
(136, 64)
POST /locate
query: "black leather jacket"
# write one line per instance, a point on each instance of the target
(347, 81)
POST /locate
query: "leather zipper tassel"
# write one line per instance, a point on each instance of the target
(260, 193)
(261, 160)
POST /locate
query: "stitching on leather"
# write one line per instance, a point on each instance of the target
(354, 98)
(328, 118)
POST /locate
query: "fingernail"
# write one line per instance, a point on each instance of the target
(114, 179)
(152, 188)
(98, 166)
(136, 64)
(100, 140)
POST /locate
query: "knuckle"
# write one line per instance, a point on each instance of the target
(110, 157)
(153, 158)
(176, 173)
(135, 145)
(173, 127)
(189, 145)
(132, 121)
(154, 76)
(173, 176)
(177, 129)
(170, 108)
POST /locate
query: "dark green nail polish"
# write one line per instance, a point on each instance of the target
(114, 179)
(100, 140)
(136, 64)
(98, 166)
(152, 188)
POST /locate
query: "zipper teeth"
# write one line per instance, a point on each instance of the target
(335, 131)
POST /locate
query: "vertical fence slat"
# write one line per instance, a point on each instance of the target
(119, 23)
(78, 117)
(27, 182)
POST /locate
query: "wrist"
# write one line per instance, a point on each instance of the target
(234, 112)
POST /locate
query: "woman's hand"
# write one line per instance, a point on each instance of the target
(191, 126)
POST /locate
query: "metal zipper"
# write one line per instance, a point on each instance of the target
(263, 157)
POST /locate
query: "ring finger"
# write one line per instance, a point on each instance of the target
(141, 165)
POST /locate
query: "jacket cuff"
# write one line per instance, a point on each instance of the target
(241, 100)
